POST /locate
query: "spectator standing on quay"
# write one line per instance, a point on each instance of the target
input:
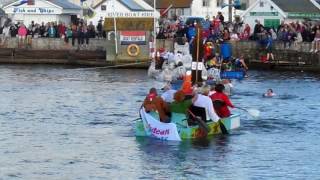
(62, 30)
(91, 30)
(22, 34)
(100, 28)
(51, 31)
(246, 32)
(68, 34)
(316, 41)
(258, 28)
(74, 29)
(42, 29)
(5, 35)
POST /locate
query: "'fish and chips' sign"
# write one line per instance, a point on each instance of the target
(133, 37)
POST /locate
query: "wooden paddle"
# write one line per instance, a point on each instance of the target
(252, 112)
(223, 128)
(203, 125)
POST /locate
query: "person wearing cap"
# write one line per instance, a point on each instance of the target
(221, 102)
(168, 93)
(204, 101)
(153, 102)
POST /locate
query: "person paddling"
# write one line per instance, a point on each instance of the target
(153, 102)
(221, 102)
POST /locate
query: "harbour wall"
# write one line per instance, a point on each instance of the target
(100, 52)
(297, 57)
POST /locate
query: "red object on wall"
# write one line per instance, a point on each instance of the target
(263, 58)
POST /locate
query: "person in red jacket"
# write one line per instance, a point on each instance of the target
(221, 102)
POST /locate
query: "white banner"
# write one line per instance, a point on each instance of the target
(194, 66)
(159, 130)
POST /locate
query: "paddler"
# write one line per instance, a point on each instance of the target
(181, 104)
(221, 102)
(155, 103)
(204, 101)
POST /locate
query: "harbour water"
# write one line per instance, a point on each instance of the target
(66, 123)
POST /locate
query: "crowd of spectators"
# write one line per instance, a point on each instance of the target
(80, 32)
(291, 35)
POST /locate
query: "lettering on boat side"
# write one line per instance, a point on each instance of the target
(154, 128)
(156, 131)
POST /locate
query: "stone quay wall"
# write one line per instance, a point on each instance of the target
(297, 57)
(56, 51)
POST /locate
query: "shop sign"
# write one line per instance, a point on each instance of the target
(22, 10)
(264, 13)
(304, 15)
(130, 14)
(129, 24)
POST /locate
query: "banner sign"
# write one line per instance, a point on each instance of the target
(129, 24)
(304, 15)
(25, 10)
(133, 37)
(155, 128)
(136, 14)
(195, 64)
(264, 14)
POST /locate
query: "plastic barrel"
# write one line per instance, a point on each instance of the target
(226, 50)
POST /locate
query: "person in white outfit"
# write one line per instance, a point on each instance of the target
(168, 94)
(205, 101)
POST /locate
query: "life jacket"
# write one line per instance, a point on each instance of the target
(187, 85)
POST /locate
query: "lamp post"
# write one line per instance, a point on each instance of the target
(115, 27)
(154, 29)
(230, 11)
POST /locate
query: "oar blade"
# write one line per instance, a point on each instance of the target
(254, 113)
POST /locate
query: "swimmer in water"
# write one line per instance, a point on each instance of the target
(269, 93)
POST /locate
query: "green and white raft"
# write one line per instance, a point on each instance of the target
(150, 126)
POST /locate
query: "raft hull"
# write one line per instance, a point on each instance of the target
(193, 132)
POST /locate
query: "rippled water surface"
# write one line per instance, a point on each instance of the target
(64, 123)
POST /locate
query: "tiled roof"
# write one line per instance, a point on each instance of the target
(130, 4)
(302, 6)
(164, 4)
(65, 4)
(62, 3)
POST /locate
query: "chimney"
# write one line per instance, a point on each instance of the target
(31, 2)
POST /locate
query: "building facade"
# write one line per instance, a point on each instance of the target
(271, 13)
(210, 8)
(201, 8)
(121, 8)
(42, 11)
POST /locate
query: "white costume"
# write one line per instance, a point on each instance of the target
(206, 102)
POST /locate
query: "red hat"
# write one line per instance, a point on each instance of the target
(151, 96)
(161, 50)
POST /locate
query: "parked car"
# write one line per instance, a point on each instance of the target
(187, 20)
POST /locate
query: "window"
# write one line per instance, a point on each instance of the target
(205, 3)
(179, 12)
(103, 7)
(261, 3)
(219, 3)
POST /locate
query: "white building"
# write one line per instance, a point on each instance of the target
(202, 8)
(42, 11)
(271, 13)
(121, 8)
